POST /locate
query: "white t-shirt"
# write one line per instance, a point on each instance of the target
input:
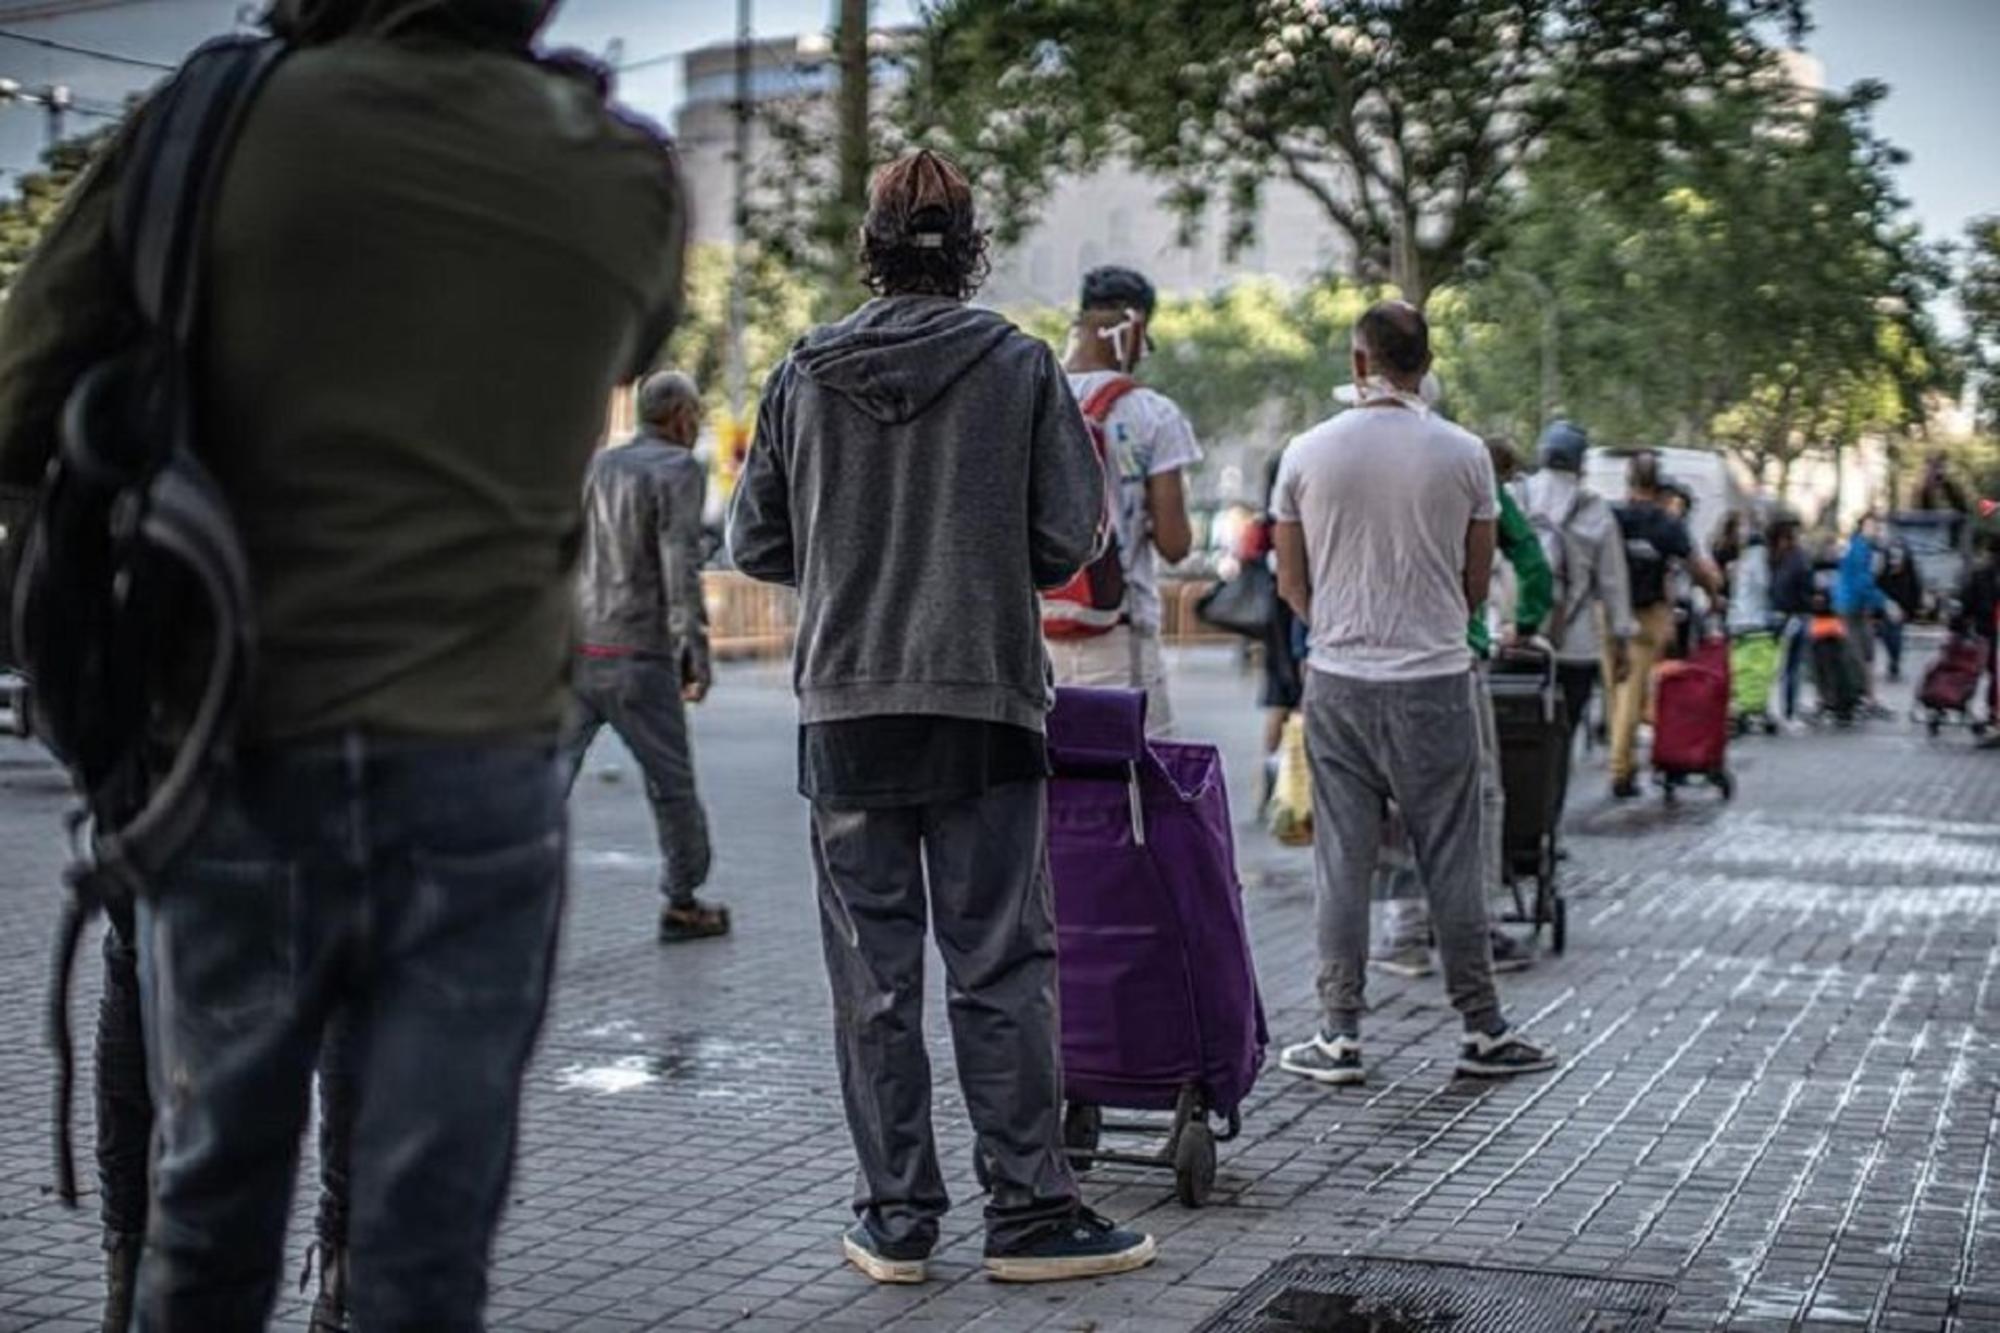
(1384, 495)
(1147, 435)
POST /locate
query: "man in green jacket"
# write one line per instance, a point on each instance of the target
(1402, 943)
(432, 257)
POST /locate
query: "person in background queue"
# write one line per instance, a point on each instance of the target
(920, 470)
(1656, 544)
(1385, 546)
(1586, 554)
(1148, 446)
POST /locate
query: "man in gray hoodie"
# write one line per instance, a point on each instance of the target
(919, 470)
(1586, 553)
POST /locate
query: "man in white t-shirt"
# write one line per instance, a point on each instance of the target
(1149, 443)
(1385, 542)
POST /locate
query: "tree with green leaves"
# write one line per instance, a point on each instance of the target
(27, 215)
(1979, 301)
(1404, 120)
(778, 309)
(1765, 292)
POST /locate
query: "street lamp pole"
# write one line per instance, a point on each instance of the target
(1476, 269)
(1551, 390)
(738, 273)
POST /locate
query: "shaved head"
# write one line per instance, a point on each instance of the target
(1396, 340)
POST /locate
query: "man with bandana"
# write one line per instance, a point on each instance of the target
(431, 258)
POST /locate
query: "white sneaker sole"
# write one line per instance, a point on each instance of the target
(899, 1272)
(1475, 1069)
(1003, 1269)
(1335, 1078)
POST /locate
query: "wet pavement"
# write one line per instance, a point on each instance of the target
(1780, 1094)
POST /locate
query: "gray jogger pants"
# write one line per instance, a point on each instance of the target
(980, 867)
(639, 697)
(1406, 921)
(1415, 742)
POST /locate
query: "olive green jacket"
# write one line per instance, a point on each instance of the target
(432, 259)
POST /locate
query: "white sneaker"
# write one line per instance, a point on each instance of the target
(1332, 1060)
(1503, 1055)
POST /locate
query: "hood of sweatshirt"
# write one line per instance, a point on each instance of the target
(508, 24)
(897, 355)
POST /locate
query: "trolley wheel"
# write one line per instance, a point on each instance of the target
(1559, 929)
(1978, 728)
(1725, 782)
(1933, 727)
(1194, 1163)
(1082, 1128)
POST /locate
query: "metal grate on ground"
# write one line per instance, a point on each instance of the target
(1317, 1293)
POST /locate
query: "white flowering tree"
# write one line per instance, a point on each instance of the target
(1405, 120)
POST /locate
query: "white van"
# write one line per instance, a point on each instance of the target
(1721, 487)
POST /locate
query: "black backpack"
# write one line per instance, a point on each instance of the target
(132, 613)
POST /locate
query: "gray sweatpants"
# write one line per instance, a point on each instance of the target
(981, 867)
(639, 698)
(1416, 743)
(1406, 920)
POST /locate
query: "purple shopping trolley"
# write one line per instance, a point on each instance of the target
(1159, 995)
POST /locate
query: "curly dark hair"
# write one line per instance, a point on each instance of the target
(921, 235)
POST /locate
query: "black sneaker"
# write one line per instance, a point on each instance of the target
(1503, 1055)
(1324, 1059)
(1085, 1246)
(1625, 789)
(885, 1263)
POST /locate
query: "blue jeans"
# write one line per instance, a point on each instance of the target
(412, 889)
(1794, 636)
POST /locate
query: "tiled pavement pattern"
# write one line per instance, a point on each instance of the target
(1780, 1021)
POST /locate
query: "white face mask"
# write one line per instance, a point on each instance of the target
(1374, 392)
(1123, 338)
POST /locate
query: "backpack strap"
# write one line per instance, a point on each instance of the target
(1097, 407)
(165, 202)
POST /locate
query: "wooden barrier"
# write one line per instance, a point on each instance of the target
(1178, 622)
(748, 619)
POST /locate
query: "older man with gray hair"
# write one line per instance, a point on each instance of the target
(642, 652)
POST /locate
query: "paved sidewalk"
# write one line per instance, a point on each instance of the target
(1781, 1088)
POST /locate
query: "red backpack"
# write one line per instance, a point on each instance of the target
(1093, 602)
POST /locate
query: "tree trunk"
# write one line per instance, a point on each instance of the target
(851, 198)
(1406, 263)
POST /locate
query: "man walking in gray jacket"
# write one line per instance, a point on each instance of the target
(642, 654)
(919, 470)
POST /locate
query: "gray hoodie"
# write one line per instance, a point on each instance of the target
(1592, 564)
(920, 469)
